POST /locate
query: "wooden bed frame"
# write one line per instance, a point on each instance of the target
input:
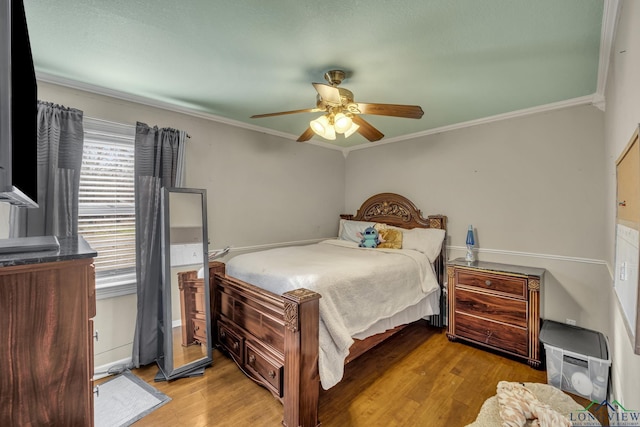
(274, 338)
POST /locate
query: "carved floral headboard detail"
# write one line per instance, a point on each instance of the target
(394, 209)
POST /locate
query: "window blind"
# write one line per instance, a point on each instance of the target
(106, 210)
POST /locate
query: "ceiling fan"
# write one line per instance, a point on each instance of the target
(342, 113)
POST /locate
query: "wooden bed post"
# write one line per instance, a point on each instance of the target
(301, 348)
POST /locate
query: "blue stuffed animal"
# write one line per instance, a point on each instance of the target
(370, 238)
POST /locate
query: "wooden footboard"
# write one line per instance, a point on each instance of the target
(273, 339)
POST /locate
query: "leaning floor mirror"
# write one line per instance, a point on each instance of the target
(185, 314)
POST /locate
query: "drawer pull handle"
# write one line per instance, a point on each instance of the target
(95, 336)
(271, 374)
(196, 328)
(489, 333)
(235, 345)
(223, 334)
(96, 391)
(487, 282)
(252, 359)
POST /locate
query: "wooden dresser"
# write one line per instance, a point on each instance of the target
(496, 306)
(47, 302)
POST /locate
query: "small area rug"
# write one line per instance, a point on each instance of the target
(125, 399)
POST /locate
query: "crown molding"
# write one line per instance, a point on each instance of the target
(610, 16)
(584, 100)
(47, 78)
(99, 90)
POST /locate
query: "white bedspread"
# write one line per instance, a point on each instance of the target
(359, 286)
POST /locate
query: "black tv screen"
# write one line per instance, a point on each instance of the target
(18, 105)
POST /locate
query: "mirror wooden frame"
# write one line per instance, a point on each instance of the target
(166, 359)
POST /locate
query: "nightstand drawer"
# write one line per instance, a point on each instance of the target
(515, 286)
(506, 310)
(498, 335)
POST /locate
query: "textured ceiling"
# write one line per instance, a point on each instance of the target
(460, 60)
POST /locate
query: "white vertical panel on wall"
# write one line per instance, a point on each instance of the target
(626, 273)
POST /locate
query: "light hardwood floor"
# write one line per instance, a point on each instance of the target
(183, 355)
(416, 378)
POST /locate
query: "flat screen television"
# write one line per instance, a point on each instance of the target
(18, 109)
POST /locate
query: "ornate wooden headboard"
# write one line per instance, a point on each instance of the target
(394, 209)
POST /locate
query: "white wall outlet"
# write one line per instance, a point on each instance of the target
(623, 271)
(570, 322)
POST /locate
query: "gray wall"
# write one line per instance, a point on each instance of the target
(533, 187)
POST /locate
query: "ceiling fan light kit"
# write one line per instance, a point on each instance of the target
(328, 125)
(342, 113)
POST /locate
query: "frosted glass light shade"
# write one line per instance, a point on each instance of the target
(319, 125)
(329, 133)
(342, 123)
(354, 127)
(323, 128)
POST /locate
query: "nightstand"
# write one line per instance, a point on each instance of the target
(496, 306)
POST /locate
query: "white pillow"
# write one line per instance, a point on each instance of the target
(425, 240)
(349, 229)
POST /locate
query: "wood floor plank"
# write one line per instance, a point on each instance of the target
(416, 378)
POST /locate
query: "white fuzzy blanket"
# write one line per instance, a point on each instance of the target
(489, 415)
(359, 286)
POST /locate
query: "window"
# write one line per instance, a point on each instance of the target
(106, 210)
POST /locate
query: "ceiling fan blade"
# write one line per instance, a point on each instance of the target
(328, 93)
(306, 135)
(281, 113)
(367, 130)
(395, 110)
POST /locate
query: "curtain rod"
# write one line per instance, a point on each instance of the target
(116, 123)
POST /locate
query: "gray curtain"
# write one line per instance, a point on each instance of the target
(60, 141)
(156, 166)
